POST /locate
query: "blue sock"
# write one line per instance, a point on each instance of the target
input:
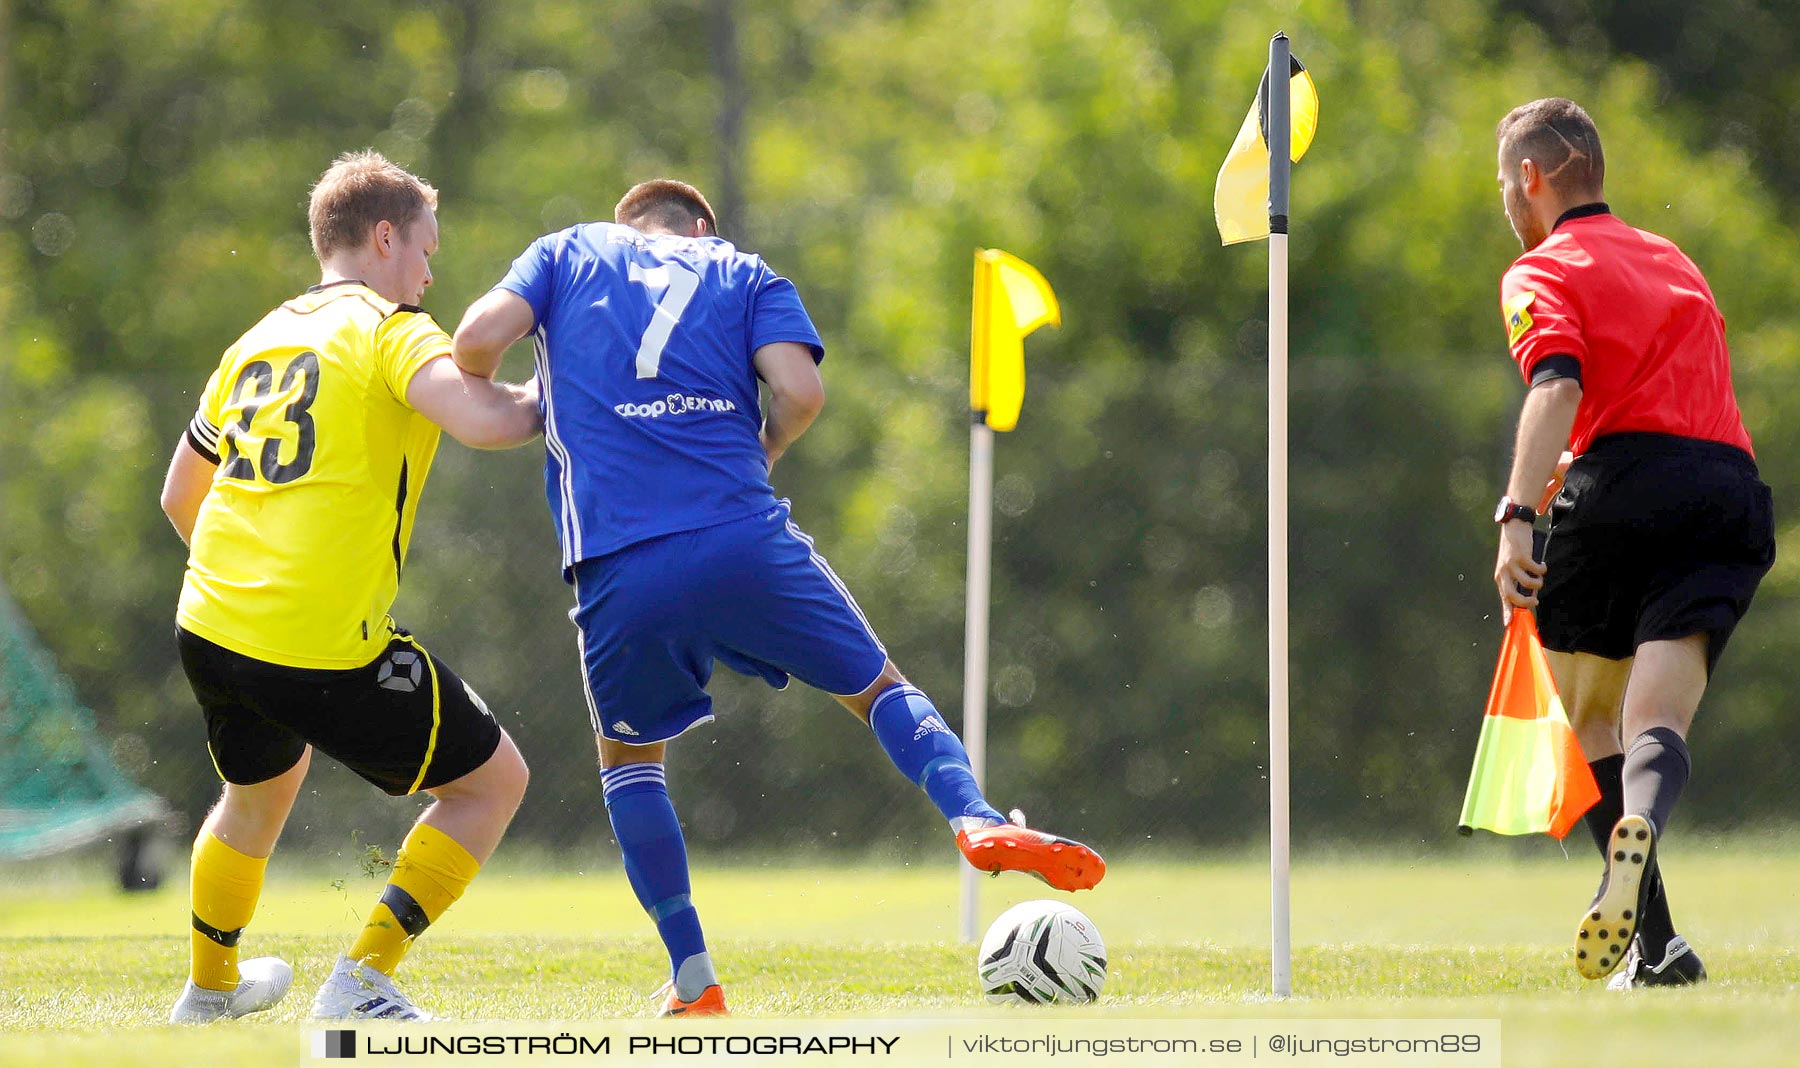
(928, 752)
(643, 819)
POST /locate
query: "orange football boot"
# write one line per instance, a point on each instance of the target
(711, 1002)
(1061, 862)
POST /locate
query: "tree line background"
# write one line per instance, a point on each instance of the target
(155, 157)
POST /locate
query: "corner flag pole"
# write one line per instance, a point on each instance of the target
(980, 575)
(975, 646)
(1011, 300)
(1279, 141)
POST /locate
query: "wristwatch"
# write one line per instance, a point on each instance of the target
(1510, 509)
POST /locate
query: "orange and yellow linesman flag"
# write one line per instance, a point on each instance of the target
(1241, 197)
(1011, 300)
(1530, 775)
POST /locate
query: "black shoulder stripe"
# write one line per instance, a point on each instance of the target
(194, 443)
(203, 427)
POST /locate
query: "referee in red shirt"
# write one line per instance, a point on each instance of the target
(1662, 529)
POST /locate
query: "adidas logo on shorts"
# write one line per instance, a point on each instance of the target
(622, 727)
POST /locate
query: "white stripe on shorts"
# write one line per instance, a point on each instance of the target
(587, 685)
(837, 583)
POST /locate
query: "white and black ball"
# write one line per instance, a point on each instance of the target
(1042, 952)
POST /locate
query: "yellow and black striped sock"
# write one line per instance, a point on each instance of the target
(224, 887)
(430, 873)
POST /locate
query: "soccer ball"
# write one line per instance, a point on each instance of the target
(1039, 952)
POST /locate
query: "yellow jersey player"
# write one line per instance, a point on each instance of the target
(295, 488)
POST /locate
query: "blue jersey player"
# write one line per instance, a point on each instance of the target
(651, 335)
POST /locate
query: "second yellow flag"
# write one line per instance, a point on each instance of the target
(1011, 300)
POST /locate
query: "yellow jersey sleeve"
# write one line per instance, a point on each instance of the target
(208, 423)
(404, 343)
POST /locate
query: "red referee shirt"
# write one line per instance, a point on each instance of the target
(1637, 317)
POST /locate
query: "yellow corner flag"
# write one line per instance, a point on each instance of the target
(1011, 300)
(1241, 197)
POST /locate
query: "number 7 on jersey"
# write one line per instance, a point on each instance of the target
(678, 282)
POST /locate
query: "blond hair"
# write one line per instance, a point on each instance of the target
(359, 190)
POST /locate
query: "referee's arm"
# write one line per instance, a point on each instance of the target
(1544, 425)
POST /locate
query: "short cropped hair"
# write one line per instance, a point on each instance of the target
(359, 190)
(1559, 137)
(664, 203)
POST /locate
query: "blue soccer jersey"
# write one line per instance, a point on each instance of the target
(644, 356)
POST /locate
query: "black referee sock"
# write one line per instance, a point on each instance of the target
(1656, 927)
(1656, 771)
(1608, 773)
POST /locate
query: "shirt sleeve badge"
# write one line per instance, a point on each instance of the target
(1518, 316)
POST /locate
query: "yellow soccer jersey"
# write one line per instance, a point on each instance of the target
(297, 550)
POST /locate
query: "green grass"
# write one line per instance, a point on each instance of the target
(86, 974)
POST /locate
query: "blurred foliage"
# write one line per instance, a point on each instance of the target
(154, 161)
(1726, 65)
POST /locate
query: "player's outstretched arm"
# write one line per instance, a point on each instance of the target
(796, 394)
(488, 328)
(477, 411)
(189, 479)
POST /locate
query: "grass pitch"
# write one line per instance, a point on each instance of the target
(87, 974)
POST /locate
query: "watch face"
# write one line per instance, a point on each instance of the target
(1501, 509)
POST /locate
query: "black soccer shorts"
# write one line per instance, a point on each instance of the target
(1654, 537)
(404, 721)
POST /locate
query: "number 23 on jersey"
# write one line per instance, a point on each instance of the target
(265, 428)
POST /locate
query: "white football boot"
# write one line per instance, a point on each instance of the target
(262, 981)
(359, 992)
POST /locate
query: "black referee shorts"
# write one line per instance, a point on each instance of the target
(1654, 537)
(404, 721)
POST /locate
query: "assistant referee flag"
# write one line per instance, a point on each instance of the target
(1011, 300)
(1241, 197)
(1530, 776)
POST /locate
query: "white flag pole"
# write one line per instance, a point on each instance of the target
(975, 648)
(1278, 132)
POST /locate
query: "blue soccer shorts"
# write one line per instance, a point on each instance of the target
(752, 594)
